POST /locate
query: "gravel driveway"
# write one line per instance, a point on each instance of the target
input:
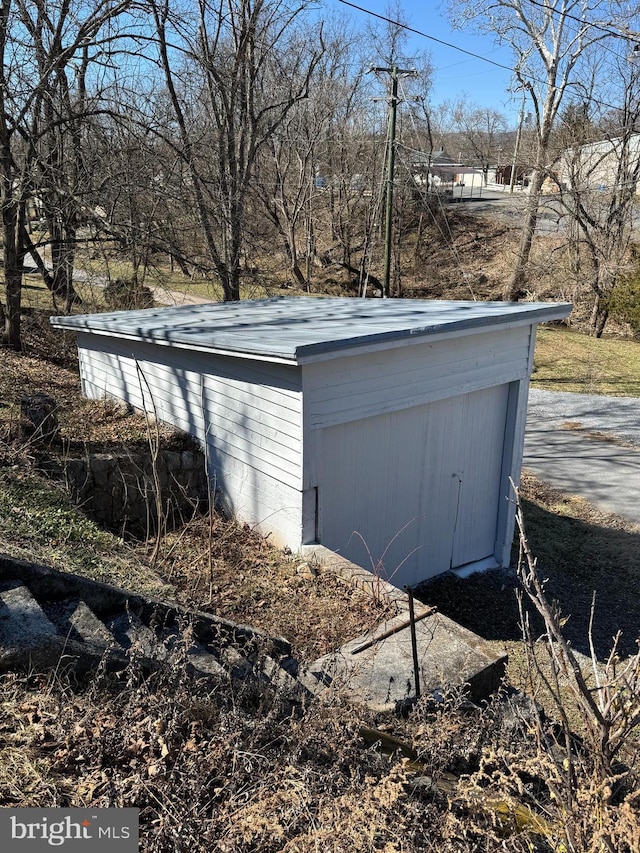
(617, 416)
(588, 445)
(565, 447)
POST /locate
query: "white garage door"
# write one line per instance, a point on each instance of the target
(413, 493)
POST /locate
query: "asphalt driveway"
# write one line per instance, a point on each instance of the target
(587, 445)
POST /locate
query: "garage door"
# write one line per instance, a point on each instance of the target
(413, 493)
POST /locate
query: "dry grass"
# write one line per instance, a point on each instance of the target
(220, 565)
(218, 767)
(566, 360)
(233, 769)
(212, 563)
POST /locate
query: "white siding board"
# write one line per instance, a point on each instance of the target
(361, 406)
(175, 398)
(174, 388)
(484, 347)
(360, 386)
(247, 449)
(413, 493)
(258, 499)
(261, 433)
(253, 419)
(258, 374)
(284, 420)
(174, 379)
(265, 432)
(267, 398)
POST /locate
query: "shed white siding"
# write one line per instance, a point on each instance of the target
(411, 494)
(359, 386)
(387, 430)
(253, 416)
(166, 382)
(250, 415)
(411, 451)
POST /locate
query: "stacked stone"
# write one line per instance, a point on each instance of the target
(119, 490)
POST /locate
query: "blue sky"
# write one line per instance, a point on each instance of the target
(455, 73)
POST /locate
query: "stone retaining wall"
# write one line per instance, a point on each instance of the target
(118, 490)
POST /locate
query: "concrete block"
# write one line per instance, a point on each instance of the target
(25, 630)
(91, 629)
(381, 676)
(131, 633)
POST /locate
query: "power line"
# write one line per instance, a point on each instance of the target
(409, 29)
(605, 29)
(477, 56)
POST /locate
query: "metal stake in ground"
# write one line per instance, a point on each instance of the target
(414, 641)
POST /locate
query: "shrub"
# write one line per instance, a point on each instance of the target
(623, 303)
(121, 294)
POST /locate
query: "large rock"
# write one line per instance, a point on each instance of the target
(40, 411)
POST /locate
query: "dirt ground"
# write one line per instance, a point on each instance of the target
(213, 768)
(218, 565)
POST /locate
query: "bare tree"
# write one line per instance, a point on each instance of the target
(316, 178)
(480, 133)
(600, 171)
(243, 67)
(46, 49)
(351, 165)
(549, 41)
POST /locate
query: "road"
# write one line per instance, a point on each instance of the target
(160, 294)
(588, 445)
(502, 204)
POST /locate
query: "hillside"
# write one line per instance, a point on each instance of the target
(219, 766)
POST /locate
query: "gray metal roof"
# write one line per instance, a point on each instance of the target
(296, 328)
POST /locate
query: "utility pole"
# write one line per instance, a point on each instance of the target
(395, 73)
(514, 165)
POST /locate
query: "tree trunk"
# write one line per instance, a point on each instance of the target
(599, 317)
(62, 288)
(13, 260)
(231, 287)
(515, 289)
(13, 288)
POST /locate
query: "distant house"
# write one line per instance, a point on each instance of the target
(440, 173)
(596, 166)
(502, 176)
(387, 430)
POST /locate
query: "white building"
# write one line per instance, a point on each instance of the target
(597, 166)
(386, 430)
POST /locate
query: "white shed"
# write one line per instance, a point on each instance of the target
(385, 430)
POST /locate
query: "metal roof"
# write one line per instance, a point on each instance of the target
(296, 329)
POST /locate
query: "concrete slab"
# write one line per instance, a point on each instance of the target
(377, 670)
(25, 630)
(133, 635)
(204, 661)
(91, 630)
